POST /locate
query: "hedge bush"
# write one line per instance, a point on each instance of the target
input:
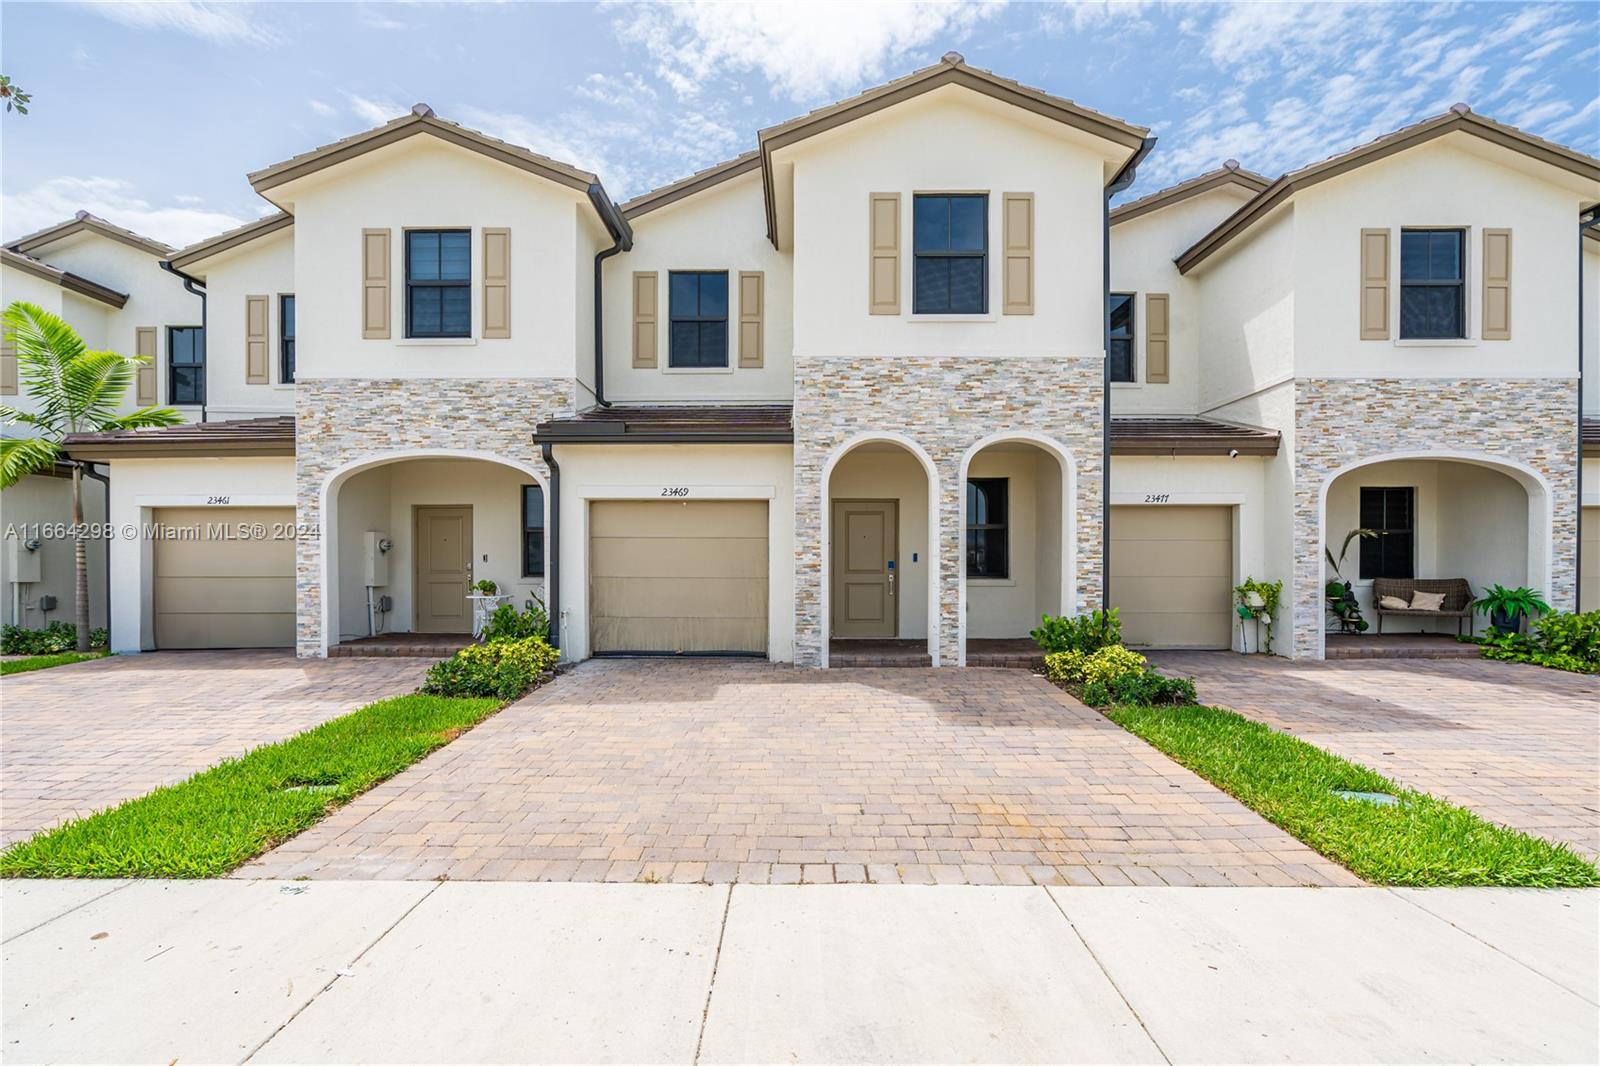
(502, 668)
(1086, 633)
(53, 638)
(1559, 641)
(1115, 675)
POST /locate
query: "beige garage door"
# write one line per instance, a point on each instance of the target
(1172, 575)
(217, 584)
(684, 577)
(1589, 583)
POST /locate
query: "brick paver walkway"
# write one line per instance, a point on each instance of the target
(713, 771)
(74, 739)
(1518, 744)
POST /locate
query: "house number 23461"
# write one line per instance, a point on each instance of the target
(675, 490)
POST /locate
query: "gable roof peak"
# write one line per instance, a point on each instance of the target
(422, 110)
(953, 56)
(1461, 108)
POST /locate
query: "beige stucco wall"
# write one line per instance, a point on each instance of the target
(36, 508)
(263, 267)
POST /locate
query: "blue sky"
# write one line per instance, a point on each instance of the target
(151, 113)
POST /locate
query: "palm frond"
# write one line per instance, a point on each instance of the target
(92, 387)
(21, 456)
(145, 418)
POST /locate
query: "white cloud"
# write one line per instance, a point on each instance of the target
(220, 22)
(1583, 120)
(321, 108)
(375, 112)
(116, 201)
(804, 50)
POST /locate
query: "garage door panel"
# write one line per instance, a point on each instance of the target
(676, 597)
(180, 631)
(677, 518)
(234, 595)
(1166, 558)
(689, 557)
(216, 586)
(1172, 575)
(679, 635)
(1172, 522)
(1176, 630)
(1589, 579)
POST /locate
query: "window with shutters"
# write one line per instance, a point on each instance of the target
(1120, 350)
(950, 246)
(988, 528)
(1433, 290)
(186, 365)
(1391, 514)
(532, 531)
(698, 306)
(438, 283)
(286, 338)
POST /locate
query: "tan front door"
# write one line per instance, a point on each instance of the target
(681, 577)
(865, 535)
(444, 569)
(224, 577)
(1172, 575)
(1589, 579)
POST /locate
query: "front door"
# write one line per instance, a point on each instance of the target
(444, 569)
(865, 533)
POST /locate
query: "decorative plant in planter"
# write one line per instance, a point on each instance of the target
(1258, 600)
(486, 587)
(1341, 598)
(1507, 608)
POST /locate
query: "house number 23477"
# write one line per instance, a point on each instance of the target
(1157, 497)
(675, 490)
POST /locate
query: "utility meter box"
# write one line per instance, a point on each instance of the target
(375, 558)
(25, 566)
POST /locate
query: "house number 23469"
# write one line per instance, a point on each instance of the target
(675, 490)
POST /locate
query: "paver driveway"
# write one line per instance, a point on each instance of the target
(716, 771)
(74, 739)
(1518, 744)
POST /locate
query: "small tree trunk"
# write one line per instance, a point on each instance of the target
(80, 557)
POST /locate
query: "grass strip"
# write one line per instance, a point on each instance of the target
(1423, 841)
(45, 662)
(221, 817)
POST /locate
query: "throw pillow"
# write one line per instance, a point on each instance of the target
(1427, 601)
(1393, 603)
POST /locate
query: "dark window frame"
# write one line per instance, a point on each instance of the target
(1003, 526)
(200, 364)
(1380, 556)
(1132, 338)
(674, 317)
(286, 332)
(980, 255)
(533, 557)
(412, 287)
(1458, 283)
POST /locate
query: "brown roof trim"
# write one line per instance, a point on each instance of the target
(233, 238)
(952, 69)
(67, 280)
(729, 424)
(420, 120)
(81, 221)
(1176, 194)
(1589, 435)
(1457, 120)
(244, 437)
(697, 182)
(1190, 436)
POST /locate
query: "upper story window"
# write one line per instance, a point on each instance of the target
(438, 283)
(950, 243)
(1433, 290)
(186, 365)
(1121, 339)
(698, 307)
(988, 528)
(533, 531)
(286, 339)
(1391, 514)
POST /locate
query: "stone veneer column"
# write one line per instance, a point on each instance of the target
(341, 420)
(1339, 422)
(945, 404)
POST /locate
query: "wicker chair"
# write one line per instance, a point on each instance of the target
(1458, 598)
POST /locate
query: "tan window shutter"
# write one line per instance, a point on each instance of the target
(645, 298)
(1496, 284)
(1374, 284)
(375, 284)
(255, 341)
(1018, 253)
(144, 346)
(884, 260)
(752, 293)
(8, 368)
(496, 284)
(1157, 352)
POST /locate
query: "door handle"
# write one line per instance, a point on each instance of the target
(891, 582)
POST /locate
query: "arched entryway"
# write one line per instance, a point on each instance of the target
(880, 542)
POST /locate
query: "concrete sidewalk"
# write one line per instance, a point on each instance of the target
(268, 971)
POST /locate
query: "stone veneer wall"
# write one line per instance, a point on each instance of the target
(945, 404)
(338, 420)
(1338, 422)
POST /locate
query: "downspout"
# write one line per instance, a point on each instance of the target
(1125, 177)
(1585, 222)
(198, 288)
(105, 482)
(622, 241)
(552, 591)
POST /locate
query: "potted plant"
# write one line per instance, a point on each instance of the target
(1507, 608)
(1258, 600)
(486, 587)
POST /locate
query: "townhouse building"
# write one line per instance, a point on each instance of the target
(875, 384)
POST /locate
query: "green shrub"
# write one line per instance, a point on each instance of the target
(507, 623)
(1080, 668)
(1086, 633)
(1575, 635)
(502, 668)
(1149, 688)
(53, 638)
(1064, 667)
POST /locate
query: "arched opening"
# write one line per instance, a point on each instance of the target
(880, 553)
(406, 536)
(1018, 549)
(1434, 517)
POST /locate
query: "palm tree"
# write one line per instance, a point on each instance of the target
(74, 390)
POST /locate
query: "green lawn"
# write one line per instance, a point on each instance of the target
(45, 662)
(1423, 841)
(219, 818)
